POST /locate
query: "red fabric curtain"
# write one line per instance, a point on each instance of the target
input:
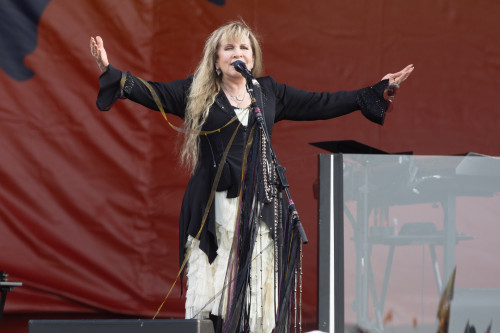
(89, 200)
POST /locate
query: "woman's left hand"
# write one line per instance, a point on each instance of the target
(400, 76)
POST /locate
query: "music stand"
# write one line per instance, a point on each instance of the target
(351, 147)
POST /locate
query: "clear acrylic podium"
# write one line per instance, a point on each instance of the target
(392, 227)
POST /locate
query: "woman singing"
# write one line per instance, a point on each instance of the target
(238, 243)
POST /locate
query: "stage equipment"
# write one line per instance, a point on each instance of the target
(369, 190)
(121, 326)
(5, 286)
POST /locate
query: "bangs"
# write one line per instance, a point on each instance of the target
(234, 33)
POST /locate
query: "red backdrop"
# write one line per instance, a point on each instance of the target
(89, 201)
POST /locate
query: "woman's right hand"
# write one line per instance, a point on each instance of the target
(99, 53)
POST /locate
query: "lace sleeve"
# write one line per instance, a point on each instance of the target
(372, 103)
(112, 84)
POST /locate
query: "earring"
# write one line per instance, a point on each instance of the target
(217, 71)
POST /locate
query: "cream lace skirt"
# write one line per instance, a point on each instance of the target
(205, 282)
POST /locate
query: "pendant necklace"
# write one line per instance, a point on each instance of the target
(237, 99)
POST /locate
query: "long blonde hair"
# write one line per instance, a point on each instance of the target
(206, 85)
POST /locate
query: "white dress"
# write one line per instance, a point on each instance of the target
(205, 282)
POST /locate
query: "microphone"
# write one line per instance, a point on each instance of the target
(241, 68)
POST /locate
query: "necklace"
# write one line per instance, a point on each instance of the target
(236, 98)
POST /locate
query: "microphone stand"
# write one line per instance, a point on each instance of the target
(282, 183)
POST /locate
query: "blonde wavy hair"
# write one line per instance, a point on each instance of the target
(207, 84)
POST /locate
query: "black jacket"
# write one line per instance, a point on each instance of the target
(279, 102)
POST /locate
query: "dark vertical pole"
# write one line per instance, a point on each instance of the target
(3, 293)
(324, 225)
(331, 244)
(338, 226)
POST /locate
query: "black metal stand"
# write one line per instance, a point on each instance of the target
(282, 182)
(4, 288)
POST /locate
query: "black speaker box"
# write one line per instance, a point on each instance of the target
(121, 326)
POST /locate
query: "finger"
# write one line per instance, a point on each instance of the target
(408, 67)
(395, 77)
(405, 70)
(401, 79)
(407, 73)
(93, 48)
(100, 42)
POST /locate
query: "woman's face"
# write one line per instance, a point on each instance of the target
(231, 50)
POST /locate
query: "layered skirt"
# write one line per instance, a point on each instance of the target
(206, 282)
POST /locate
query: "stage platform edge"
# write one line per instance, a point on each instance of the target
(121, 326)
